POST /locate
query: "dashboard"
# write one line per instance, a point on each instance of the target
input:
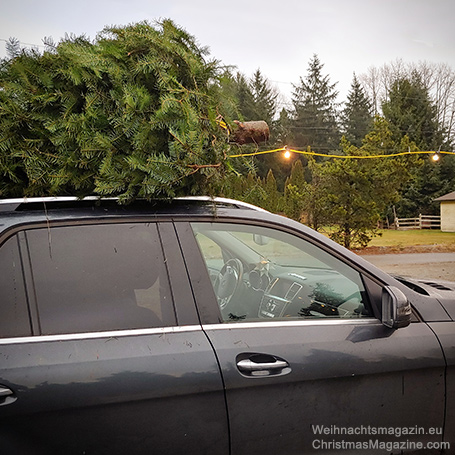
(297, 292)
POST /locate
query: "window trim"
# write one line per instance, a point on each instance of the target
(22, 272)
(30, 295)
(112, 334)
(292, 323)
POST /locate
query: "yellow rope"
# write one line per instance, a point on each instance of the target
(285, 149)
(282, 149)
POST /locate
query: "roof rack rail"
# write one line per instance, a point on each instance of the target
(14, 203)
(21, 200)
(222, 200)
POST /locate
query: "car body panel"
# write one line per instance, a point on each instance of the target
(446, 336)
(341, 374)
(108, 394)
(195, 387)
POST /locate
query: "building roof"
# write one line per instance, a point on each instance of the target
(447, 197)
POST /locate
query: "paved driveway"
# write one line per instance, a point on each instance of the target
(416, 265)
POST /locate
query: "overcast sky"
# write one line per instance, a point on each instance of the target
(279, 37)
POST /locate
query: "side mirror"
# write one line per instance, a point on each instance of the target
(396, 309)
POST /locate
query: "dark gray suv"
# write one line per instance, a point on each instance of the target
(211, 327)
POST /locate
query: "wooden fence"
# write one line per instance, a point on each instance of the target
(421, 222)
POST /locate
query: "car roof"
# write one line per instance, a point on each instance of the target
(15, 212)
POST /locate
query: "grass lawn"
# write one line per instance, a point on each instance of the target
(414, 237)
(412, 241)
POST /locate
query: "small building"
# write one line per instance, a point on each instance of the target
(447, 212)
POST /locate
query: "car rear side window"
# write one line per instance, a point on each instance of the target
(100, 277)
(14, 320)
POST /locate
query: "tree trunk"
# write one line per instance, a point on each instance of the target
(250, 132)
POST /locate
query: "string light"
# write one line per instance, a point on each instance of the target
(287, 154)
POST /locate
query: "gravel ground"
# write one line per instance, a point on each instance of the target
(416, 265)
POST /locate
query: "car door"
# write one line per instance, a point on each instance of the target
(101, 351)
(446, 334)
(307, 364)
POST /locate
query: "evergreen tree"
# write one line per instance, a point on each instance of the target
(283, 128)
(255, 98)
(356, 117)
(234, 187)
(354, 193)
(272, 202)
(294, 192)
(437, 78)
(245, 98)
(254, 192)
(227, 94)
(264, 98)
(293, 202)
(428, 182)
(297, 176)
(282, 135)
(315, 110)
(314, 196)
(410, 112)
(132, 114)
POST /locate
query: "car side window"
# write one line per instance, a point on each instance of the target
(14, 319)
(265, 274)
(99, 277)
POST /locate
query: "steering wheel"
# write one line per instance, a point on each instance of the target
(228, 281)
